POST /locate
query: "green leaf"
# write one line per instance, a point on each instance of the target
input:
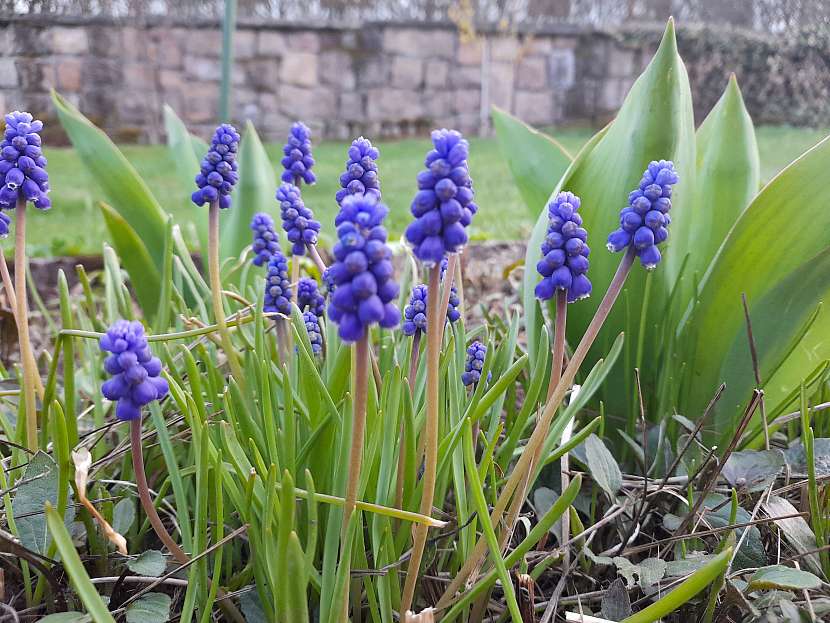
(150, 563)
(75, 569)
(753, 470)
(536, 160)
(784, 578)
(122, 185)
(66, 617)
(123, 515)
(690, 587)
(134, 256)
(39, 486)
(602, 465)
(728, 174)
(255, 193)
(150, 608)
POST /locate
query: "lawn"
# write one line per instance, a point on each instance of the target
(74, 225)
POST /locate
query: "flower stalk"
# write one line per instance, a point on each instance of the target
(27, 357)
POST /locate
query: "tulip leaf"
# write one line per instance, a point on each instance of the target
(254, 193)
(784, 578)
(536, 160)
(123, 187)
(145, 277)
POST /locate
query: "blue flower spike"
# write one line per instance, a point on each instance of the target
(297, 220)
(219, 171)
(297, 160)
(443, 207)
(362, 271)
(415, 313)
(266, 242)
(315, 335)
(644, 222)
(22, 166)
(476, 354)
(277, 286)
(136, 379)
(361, 174)
(309, 297)
(565, 251)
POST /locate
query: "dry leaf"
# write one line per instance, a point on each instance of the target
(83, 461)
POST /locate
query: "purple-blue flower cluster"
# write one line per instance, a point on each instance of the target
(297, 220)
(136, 373)
(219, 172)
(298, 160)
(443, 206)
(415, 313)
(277, 286)
(266, 242)
(361, 174)
(315, 335)
(22, 166)
(644, 222)
(475, 364)
(362, 271)
(309, 297)
(564, 262)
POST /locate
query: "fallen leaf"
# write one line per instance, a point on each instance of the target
(83, 460)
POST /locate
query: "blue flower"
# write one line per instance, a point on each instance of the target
(564, 251)
(219, 172)
(443, 206)
(297, 220)
(266, 242)
(475, 364)
(136, 379)
(315, 336)
(277, 286)
(415, 313)
(309, 297)
(298, 160)
(361, 174)
(22, 166)
(644, 222)
(362, 271)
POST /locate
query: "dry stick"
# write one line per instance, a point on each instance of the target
(435, 330)
(539, 435)
(755, 368)
(27, 358)
(315, 257)
(459, 280)
(154, 519)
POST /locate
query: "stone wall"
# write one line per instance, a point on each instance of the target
(381, 79)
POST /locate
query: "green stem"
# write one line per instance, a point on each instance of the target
(435, 330)
(22, 316)
(228, 28)
(216, 292)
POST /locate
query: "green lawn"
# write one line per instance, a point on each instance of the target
(74, 225)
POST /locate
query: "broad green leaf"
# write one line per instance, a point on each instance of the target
(150, 608)
(39, 486)
(753, 470)
(122, 185)
(784, 578)
(123, 515)
(150, 563)
(255, 193)
(145, 277)
(75, 568)
(728, 174)
(187, 152)
(536, 160)
(66, 617)
(602, 465)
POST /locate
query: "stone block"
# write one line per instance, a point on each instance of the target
(419, 42)
(535, 108)
(204, 42)
(387, 104)
(68, 73)
(611, 94)
(504, 48)
(436, 75)
(438, 104)
(562, 68)
(372, 71)
(407, 73)
(501, 78)
(467, 76)
(166, 54)
(336, 68)
(8, 73)
(68, 40)
(203, 68)
(271, 43)
(307, 41)
(537, 45)
(466, 101)
(532, 73)
(309, 104)
(469, 52)
(202, 102)
(299, 68)
(621, 63)
(244, 44)
(352, 107)
(261, 74)
(171, 79)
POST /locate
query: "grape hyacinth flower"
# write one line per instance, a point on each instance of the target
(298, 160)
(219, 172)
(315, 335)
(475, 363)
(564, 252)
(266, 242)
(644, 222)
(309, 297)
(23, 166)
(297, 220)
(277, 286)
(443, 206)
(136, 381)
(362, 272)
(361, 174)
(415, 313)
